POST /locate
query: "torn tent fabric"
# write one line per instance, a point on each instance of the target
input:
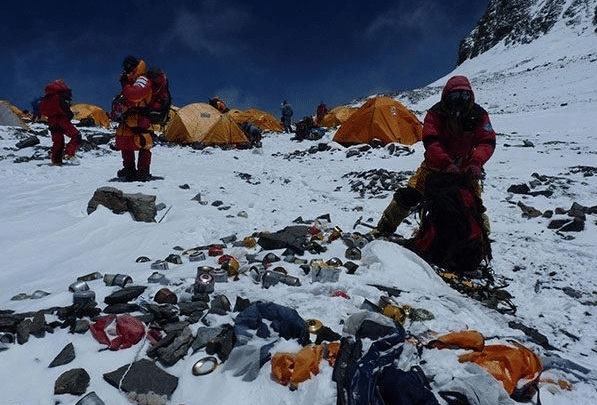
(118, 331)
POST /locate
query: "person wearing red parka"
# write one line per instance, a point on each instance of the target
(55, 105)
(458, 138)
(133, 132)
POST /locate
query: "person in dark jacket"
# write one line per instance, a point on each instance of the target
(458, 138)
(286, 115)
(55, 105)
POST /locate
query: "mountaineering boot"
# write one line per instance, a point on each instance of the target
(143, 174)
(70, 159)
(392, 216)
(128, 173)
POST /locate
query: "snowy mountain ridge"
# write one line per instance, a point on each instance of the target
(515, 22)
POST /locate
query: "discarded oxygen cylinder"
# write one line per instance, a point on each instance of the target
(117, 279)
(271, 277)
(204, 282)
(90, 276)
(84, 297)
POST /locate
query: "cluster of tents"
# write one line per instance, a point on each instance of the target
(380, 118)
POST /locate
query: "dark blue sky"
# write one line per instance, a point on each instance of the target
(251, 54)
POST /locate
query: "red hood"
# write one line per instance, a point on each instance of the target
(457, 83)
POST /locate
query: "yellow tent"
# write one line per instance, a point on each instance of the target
(380, 118)
(191, 123)
(225, 132)
(260, 119)
(9, 117)
(337, 116)
(93, 112)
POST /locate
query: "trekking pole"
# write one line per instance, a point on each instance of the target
(165, 213)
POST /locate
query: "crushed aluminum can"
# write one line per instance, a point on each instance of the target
(117, 279)
(197, 257)
(204, 269)
(174, 259)
(83, 297)
(325, 274)
(78, 286)
(270, 278)
(157, 277)
(351, 267)
(353, 253)
(91, 276)
(228, 239)
(39, 294)
(215, 250)
(220, 275)
(90, 399)
(204, 283)
(270, 258)
(256, 272)
(159, 265)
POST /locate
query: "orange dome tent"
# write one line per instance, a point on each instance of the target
(97, 114)
(380, 118)
(260, 119)
(9, 117)
(225, 132)
(337, 116)
(191, 123)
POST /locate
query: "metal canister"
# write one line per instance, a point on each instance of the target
(215, 250)
(159, 265)
(83, 297)
(117, 279)
(270, 278)
(228, 239)
(91, 276)
(325, 274)
(78, 286)
(204, 283)
(156, 277)
(220, 275)
(90, 399)
(256, 272)
(197, 257)
(204, 269)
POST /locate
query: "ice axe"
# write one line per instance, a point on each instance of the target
(360, 222)
(392, 238)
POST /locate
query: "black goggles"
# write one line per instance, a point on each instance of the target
(459, 97)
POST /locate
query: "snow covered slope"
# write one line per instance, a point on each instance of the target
(542, 98)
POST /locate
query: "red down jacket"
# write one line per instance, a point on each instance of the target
(466, 140)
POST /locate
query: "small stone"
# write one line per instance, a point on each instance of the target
(64, 357)
(73, 382)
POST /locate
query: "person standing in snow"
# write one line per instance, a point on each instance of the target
(322, 110)
(133, 132)
(458, 138)
(55, 105)
(286, 115)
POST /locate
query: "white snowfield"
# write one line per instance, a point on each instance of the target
(542, 100)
